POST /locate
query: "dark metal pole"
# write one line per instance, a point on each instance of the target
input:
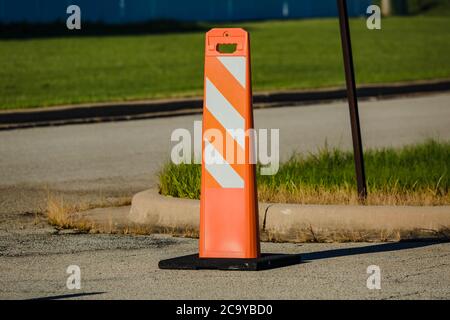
(352, 99)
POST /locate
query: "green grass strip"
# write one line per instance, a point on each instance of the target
(411, 170)
(295, 54)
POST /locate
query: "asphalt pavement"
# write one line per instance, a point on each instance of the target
(34, 265)
(102, 162)
(93, 162)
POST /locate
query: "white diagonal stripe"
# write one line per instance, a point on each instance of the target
(238, 135)
(223, 111)
(222, 172)
(236, 66)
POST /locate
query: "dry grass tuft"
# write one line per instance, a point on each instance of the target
(67, 216)
(347, 195)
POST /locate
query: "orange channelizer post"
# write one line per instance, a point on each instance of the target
(228, 205)
(229, 231)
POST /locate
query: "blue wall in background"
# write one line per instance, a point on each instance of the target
(122, 11)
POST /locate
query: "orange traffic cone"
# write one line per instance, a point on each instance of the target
(229, 232)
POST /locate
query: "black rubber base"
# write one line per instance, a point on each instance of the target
(266, 261)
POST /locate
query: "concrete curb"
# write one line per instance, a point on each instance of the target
(133, 110)
(294, 222)
(152, 212)
(149, 207)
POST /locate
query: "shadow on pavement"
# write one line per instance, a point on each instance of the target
(385, 247)
(67, 296)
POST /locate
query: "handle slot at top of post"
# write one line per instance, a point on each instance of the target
(227, 38)
(226, 47)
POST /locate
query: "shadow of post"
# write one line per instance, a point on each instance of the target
(384, 247)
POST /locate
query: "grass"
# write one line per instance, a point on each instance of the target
(413, 175)
(297, 54)
(65, 215)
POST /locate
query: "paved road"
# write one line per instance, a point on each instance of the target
(109, 160)
(34, 264)
(104, 160)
